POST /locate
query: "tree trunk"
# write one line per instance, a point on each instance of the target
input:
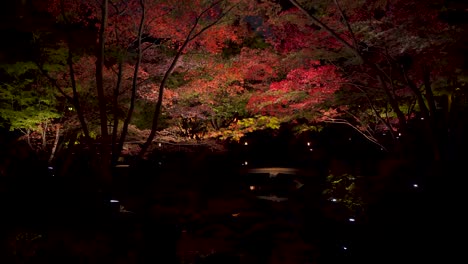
(54, 147)
(75, 98)
(134, 83)
(115, 124)
(44, 136)
(104, 146)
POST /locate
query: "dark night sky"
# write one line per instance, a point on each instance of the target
(17, 20)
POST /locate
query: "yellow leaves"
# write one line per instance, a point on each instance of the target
(244, 126)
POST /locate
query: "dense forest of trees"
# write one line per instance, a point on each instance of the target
(110, 72)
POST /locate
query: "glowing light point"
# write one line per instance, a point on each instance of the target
(345, 248)
(415, 185)
(70, 108)
(245, 163)
(399, 134)
(246, 143)
(311, 149)
(422, 118)
(308, 143)
(114, 201)
(334, 200)
(252, 187)
(352, 220)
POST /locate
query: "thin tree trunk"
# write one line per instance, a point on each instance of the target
(28, 138)
(75, 98)
(115, 125)
(134, 83)
(393, 103)
(428, 89)
(115, 102)
(428, 113)
(104, 148)
(99, 72)
(436, 147)
(44, 134)
(419, 97)
(54, 147)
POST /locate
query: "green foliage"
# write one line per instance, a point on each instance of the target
(56, 59)
(24, 101)
(143, 115)
(229, 108)
(255, 42)
(302, 128)
(259, 122)
(176, 79)
(345, 190)
(244, 126)
(18, 69)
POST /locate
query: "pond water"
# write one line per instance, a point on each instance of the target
(193, 208)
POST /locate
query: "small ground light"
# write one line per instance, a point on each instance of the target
(246, 143)
(333, 200)
(308, 143)
(114, 201)
(311, 149)
(159, 144)
(252, 187)
(352, 219)
(415, 185)
(51, 169)
(345, 248)
(245, 163)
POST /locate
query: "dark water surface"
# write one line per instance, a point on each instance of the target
(191, 208)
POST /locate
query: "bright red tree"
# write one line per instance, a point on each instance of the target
(386, 50)
(300, 93)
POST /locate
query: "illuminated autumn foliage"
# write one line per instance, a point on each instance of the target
(217, 65)
(302, 91)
